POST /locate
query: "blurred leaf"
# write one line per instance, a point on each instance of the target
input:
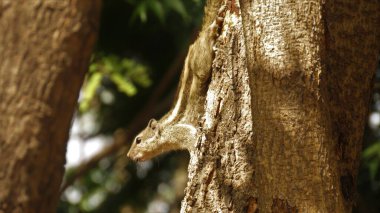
(123, 72)
(158, 9)
(111, 64)
(197, 2)
(123, 84)
(93, 68)
(127, 63)
(141, 12)
(373, 167)
(178, 7)
(140, 76)
(89, 91)
(371, 151)
(372, 156)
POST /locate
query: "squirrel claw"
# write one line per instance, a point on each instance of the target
(218, 22)
(221, 13)
(222, 10)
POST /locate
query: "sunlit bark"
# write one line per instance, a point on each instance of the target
(285, 108)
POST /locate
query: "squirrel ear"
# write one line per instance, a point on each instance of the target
(152, 124)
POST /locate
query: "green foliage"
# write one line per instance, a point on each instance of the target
(160, 8)
(125, 73)
(371, 157)
(369, 177)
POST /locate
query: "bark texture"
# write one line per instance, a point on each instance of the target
(285, 107)
(45, 47)
(222, 162)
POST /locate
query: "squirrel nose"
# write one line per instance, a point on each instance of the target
(138, 140)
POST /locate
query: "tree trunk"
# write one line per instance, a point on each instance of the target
(45, 47)
(285, 107)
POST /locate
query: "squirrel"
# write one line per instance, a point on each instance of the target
(154, 140)
(176, 130)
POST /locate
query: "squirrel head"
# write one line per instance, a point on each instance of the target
(145, 142)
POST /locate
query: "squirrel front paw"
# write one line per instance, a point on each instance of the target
(216, 25)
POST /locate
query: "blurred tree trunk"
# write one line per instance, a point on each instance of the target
(285, 108)
(45, 47)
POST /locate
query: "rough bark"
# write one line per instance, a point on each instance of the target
(220, 169)
(285, 107)
(45, 47)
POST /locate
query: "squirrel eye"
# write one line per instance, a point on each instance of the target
(138, 140)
